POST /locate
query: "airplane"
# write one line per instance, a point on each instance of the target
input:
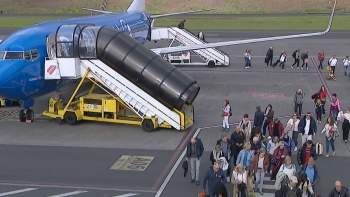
(23, 53)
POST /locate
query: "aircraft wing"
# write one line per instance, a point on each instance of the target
(178, 13)
(99, 11)
(167, 50)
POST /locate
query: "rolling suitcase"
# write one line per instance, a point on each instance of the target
(319, 148)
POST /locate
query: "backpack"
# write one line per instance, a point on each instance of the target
(244, 126)
(230, 113)
(303, 55)
(294, 54)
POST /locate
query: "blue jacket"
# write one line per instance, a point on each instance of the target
(240, 157)
(258, 118)
(213, 179)
(199, 147)
(313, 126)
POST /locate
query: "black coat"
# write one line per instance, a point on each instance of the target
(258, 119)
(302, 152)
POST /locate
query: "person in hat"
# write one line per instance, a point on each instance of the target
(291, 187)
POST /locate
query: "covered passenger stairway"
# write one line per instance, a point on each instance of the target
(146, 84)
(212, 56)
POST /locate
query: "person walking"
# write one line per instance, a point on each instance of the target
(307, 151)
(272, 145)
(279, 156)
(276, 128)
(258, 118)
(333, 62)
(283, 60)
(240, 182)
(181, 25)
(291, 188)
(269, 113)
(245, 157)
(194, 153)
(237, 139)
(269, 56)
(321, 59)
(318, 110)
(226, 112)
(323, 96)
(334, 108)
(213, 176)
(305, 185)
(298, 101)
(216, 154)
(346, 63)
(331, 131)
(305, 58)
(296, 56)
(201, 36)
(245, 55)
(311, 171)
(293, 124)
(346, 125)
(227, 149)
(259, 167)
(307, 128)
(246, 127)
(339, 190)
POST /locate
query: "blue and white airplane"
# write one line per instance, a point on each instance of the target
(23, 53)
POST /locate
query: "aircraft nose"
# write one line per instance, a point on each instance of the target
(10, 78)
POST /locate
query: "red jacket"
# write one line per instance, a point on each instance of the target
(323, 94)
(320, 56)
(278, 153)
(272, 127)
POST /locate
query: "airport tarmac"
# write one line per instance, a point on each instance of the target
(55, 159)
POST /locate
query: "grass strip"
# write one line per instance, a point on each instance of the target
(236, 23)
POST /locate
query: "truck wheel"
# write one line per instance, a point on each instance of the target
(70, 118)
(22, 116)
(147, 125)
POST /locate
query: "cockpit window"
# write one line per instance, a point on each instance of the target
(2, 54)
(31, 55)
(14, 55)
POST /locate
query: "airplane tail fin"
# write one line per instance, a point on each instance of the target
(137, 5)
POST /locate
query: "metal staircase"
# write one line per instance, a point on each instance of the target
(143, 104)
(185, 37)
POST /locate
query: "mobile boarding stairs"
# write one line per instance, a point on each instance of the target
(211, 56)
(59, 67)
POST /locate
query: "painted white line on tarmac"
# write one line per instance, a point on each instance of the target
(77, 187)
(17, 191)
(176, 165)
(69, 194)
(127, 195)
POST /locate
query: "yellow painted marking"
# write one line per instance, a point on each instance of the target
(131, 162)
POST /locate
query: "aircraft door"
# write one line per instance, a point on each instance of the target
(51, 46)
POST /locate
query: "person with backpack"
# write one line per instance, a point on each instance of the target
(305, 185)
(305, 58)
(321, 58)
(290, 189)
(311, 171)
(296, 56)
(246, 127)
(226, 113)
(339, 190)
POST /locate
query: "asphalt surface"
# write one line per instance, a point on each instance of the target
(56, 159)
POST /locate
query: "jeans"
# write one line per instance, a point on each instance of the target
(266, 124)
(283, 64)
(346, 70)
(335, 112)
(323, 111)
(333, 69)
(195, 164)
(295, 138)
(319, 114)
(321, 66)
(245, 61)
(212, 193)
(329, 142)
(259, 175)
(298, 106)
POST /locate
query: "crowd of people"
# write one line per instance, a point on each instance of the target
(250, 153)
(301, 59)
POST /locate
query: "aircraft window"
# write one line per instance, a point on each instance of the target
(27, 55)
(2, 54)
(35, 54)
(14, 55)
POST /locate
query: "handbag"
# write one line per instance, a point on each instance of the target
(275, 161)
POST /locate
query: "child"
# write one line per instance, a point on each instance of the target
(318, 110)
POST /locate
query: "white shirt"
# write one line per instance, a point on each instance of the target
(347, 116)
(346, 62)
(290, 121)
(261, 162)
(307, 127)
(201, 35)
(333, 61)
